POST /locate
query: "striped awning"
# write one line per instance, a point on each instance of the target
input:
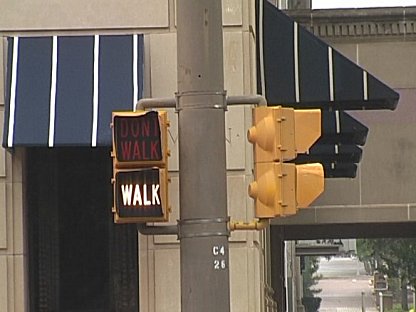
(297, 69)
(61, 90)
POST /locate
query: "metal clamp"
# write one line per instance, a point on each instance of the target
(151, 103)
(257, 225)
(190, 228)
(216, 100)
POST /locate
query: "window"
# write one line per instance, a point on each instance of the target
(79, 260)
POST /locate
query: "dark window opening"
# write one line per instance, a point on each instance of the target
(79, 260)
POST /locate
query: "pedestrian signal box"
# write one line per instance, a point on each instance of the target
(278, 135)
(140, 175)
(140, 139)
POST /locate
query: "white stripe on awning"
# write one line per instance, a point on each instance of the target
(331, 74)
(365, 85)
(95, 96)
(12, 101)
(52, 105)
(135, 70)
(296, 60)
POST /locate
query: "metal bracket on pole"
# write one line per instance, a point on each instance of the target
(142, 104)
(257, 225)
(203, 227)
(145, 229)
(191, 99)
(255, 99)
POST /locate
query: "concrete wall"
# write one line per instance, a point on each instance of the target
(12, 250)
(110, 15)
(386, 172)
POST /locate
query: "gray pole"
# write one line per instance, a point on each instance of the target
(362, 302)
(203, 231)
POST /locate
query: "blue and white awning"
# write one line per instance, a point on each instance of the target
(61, 90)
(296, 68)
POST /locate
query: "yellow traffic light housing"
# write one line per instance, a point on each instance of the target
(273, 189)
(140, 160)
(278, 135)
(309, 183)
(271, 134)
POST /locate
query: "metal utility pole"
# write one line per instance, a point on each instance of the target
(201, 105)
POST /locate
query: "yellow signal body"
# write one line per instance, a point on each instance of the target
(278, 135)
(309, 183)
(274, 190)
(307, 128)
(272, 134)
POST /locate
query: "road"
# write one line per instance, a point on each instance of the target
(345, 286)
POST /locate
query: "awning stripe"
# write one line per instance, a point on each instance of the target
(116, 83)
(61, 90)
(365, 85)
(33, 90)
(135, 75)
(331, 74)
(52, 108)
(337, 122)
(261, 54)
(296, 60)
(12, 103)
(95, 97)
(75, 89)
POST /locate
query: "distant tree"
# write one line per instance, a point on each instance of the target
(366, 252)
(310, 276)
(310, 279)
(394, 257)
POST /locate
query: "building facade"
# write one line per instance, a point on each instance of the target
(60, 250)
(380, 40)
